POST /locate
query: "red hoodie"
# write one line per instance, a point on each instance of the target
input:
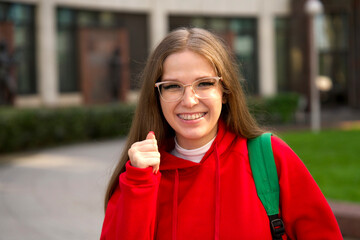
(216, 198)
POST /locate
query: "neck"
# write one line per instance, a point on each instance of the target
(194, 155)
(197, 142)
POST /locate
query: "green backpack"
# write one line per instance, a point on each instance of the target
(266, 180)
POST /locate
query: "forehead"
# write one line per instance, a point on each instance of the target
(187, 64)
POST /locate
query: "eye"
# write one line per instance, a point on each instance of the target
(171, 86)
(206, 83)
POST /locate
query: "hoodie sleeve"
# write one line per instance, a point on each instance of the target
(131, 211)
(304, 209)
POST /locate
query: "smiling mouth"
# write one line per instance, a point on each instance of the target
(193, 116)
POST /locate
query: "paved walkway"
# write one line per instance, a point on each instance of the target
(57, 194)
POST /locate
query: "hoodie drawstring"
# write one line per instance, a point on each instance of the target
(217, 196)
(175, 204)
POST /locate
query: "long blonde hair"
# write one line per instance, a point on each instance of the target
(148, 115)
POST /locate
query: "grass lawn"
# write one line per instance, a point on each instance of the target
(333, 159)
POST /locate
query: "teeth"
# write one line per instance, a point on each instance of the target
(191, 116)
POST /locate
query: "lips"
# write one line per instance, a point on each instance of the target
(191, 116)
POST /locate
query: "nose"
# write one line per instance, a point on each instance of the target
(189, 99)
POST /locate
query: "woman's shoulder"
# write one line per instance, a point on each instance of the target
(285, 157)
(280, 147)
(278, 143)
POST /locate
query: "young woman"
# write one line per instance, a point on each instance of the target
(185, 173)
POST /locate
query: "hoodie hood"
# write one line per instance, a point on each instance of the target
(170, 162)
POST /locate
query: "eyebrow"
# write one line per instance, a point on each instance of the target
(176, 80)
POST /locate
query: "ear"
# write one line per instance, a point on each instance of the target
(224, 98)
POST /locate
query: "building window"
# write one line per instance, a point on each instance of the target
(240, 33)
(71, 21)
(333, 44)
(282, 54)
(66, 51)
(19, 20)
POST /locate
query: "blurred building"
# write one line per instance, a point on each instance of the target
(84, 52)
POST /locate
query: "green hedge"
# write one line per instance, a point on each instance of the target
(278, 109)
(22, 129)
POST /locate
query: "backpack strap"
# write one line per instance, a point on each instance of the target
(266, 180)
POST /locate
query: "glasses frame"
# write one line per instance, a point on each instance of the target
(158, 84)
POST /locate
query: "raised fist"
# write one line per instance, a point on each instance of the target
(145, 153)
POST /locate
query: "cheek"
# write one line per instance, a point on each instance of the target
(219, 106)
(220, 101)
(166, 109)
(163, 107)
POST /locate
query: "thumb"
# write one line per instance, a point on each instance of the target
(151, 135)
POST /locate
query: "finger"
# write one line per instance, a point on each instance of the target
(151, 135)
(145, 148)
(156, 168)
(150, 162)
(148, 145)
(144, 156)
(143, 159)
(144, 162)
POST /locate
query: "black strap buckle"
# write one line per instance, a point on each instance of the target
(277, 227)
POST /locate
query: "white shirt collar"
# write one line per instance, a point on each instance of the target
(194, 155)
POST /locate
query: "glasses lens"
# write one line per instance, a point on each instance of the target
(205, 88)
(171, 91)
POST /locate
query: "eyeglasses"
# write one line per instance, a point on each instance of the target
(172, 91)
